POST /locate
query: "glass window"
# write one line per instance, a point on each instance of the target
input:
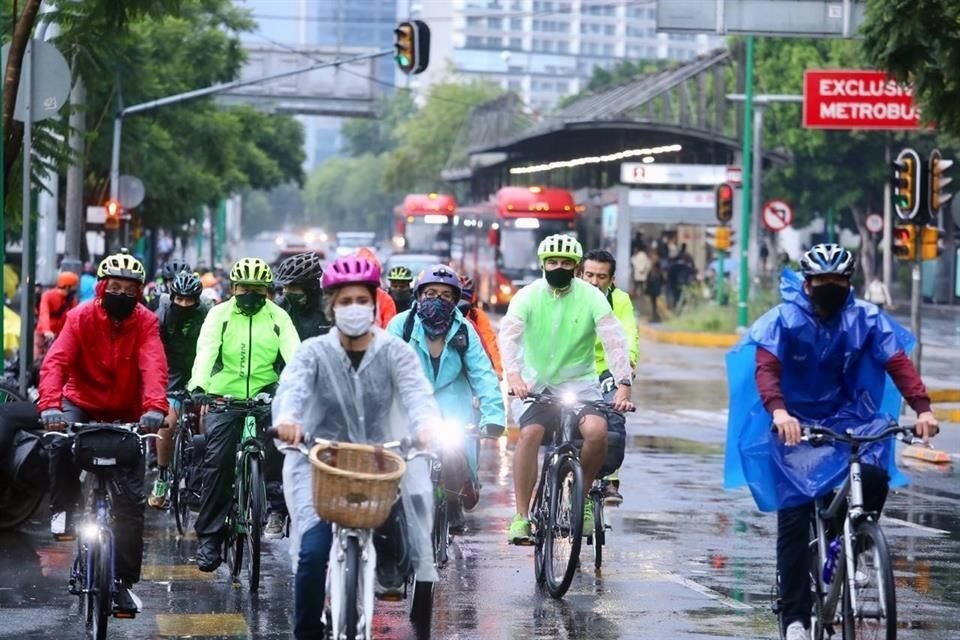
(609, 29)
(493, 43)
(516, 44)
(516, 24)
(494, 23)
(474, 42)
(563, 46)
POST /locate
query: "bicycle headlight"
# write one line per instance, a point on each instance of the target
(569, 399)
(89, 531)
(449, 435)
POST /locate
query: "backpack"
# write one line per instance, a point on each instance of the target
(460, 341)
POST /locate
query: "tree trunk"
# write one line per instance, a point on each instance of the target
(868, 249)
(74, 210)
(11, 83)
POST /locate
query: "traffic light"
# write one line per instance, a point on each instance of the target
(906, 184)
(929, 243)
(938, 182)
(113, 210)
(905, 242)
(724, 202)
(720, 237)
(412, 46)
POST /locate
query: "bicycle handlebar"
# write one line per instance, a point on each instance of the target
(405, 446)
(573, 403)
(75, 428)
(227, 403)
(815, 435)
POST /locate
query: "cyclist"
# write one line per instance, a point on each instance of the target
(366, 371)
(386, 309)
(598, 269)
(455, 363)
(167, 273)
(242, 346)
(180, 315)
(302, 298)
(54, 305)
(481, 322)
(820, 357)
(400, 279)
(554, 323)
(107, 365)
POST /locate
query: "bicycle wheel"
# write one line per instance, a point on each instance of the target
(562, 537)
(253, 511)
(85, 562)
(441, 530)
(421, 609)
(102, 589)
(350, 616)
(875, 617)
(176, 478)
(10, 392)
(538, 519)
(599, 534)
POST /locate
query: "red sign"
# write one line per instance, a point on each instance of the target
(777, 215)
(853, 99)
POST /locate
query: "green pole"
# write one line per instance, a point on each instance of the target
(720, 278)
(3, 229)
(746, 196)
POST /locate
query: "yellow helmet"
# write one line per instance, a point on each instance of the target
(251, 271)
(122, 265)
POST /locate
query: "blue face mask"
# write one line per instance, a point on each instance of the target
(436, 315)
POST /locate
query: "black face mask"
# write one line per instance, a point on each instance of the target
(559, 278)
(829, 298)
(251, 302)
(179, 313)
(119, 306)
(403, 297)
(297, 301)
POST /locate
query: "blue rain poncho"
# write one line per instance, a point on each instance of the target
(833, 375)
(386, 398)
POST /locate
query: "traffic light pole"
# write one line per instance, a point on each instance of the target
(915, 295)
(721, 294)
(747, 155)
(202, 93)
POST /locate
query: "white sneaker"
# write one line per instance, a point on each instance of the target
(795, 631)
(59, 526)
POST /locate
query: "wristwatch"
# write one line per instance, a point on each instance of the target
(625, 381)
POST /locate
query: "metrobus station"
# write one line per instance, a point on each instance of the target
(633, 160)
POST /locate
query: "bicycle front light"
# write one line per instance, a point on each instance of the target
(89, 531)
(449, 435)
(569, 399)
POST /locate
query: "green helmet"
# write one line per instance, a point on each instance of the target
(560, 246)
(400, 273)
(251, 271)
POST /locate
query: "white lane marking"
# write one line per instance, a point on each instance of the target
(912, 525)
(927, 496)
(708, 592)
(711, 417)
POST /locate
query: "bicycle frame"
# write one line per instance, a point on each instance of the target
(93, 532)
(336, 582)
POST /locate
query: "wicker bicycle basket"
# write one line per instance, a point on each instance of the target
(355, 485)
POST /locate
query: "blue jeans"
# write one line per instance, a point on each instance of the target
(311, 581)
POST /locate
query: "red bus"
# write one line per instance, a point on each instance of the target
(496, 242)
(424, 223)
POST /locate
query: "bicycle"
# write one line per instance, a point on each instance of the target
(98, 449)
(839, 594)
(598, 538)
(182, 464)
(557, 512)
(248, 514)
(19, 498)
(453, 440)
(355, 487)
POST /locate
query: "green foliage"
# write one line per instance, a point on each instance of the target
(623, 71)
(919, 41)
(346, 194)
(425, 141)
(378, 135)
(710, 317)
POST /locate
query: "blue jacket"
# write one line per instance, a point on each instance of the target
(455, 385)
(833, 375)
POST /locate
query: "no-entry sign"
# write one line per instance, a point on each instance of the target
(856, 99)
(777, 215)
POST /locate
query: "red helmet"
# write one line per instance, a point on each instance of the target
(351, 270)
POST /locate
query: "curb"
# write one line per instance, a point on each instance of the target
(947, 415)
(944, 395)
(691, 338)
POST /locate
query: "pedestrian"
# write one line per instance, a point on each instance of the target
(878, 293)
(54, 305)
(764, 257)
(88, 282)
(640, 262)
(654, 287)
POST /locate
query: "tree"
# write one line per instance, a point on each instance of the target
(348, 194)
(918, 41)
(425, 141)
(378, 135)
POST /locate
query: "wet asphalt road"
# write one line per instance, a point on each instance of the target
(684, 560)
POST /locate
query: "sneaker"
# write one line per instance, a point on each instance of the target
(126, 604)
(519, 531)
(611, 495)
(389, 583)
(61, 526)
(276, 524)
(795, 631)
(455, 517)
(588, 518)
(158, 497)
(208, 553)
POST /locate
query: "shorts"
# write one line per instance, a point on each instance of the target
(548, 415)
(176, 404)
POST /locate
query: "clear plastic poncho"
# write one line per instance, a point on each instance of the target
(833, 375)
(386, 398)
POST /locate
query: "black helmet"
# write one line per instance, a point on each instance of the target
(172, 268)
(303, 267)
(186, 284)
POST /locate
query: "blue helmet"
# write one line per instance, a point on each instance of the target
(827, 259)
(438, 274)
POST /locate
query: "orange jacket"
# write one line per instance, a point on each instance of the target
(387, 307)
(53, 311)
(481, 322)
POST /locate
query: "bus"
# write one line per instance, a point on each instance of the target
(496, 242)
(424, 223)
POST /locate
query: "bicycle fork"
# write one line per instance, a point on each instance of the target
(337, 583)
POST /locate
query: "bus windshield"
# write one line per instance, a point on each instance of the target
(518, 252)
(427, 238)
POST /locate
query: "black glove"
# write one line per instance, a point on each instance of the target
(152, 420)
(491, 430)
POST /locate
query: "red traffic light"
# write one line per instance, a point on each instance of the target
(725, 192)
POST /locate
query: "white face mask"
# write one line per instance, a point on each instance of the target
(353, 320)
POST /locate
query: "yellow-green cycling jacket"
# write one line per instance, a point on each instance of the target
(623, 310)
(240, 355)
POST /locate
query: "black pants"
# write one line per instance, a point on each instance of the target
(222, 434)
(127, 496)
(793, 541)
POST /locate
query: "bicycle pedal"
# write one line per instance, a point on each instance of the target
(390, 597)
(522, 542)
(124, 615)
(65, 537)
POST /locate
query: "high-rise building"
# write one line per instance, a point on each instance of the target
(544, 49)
